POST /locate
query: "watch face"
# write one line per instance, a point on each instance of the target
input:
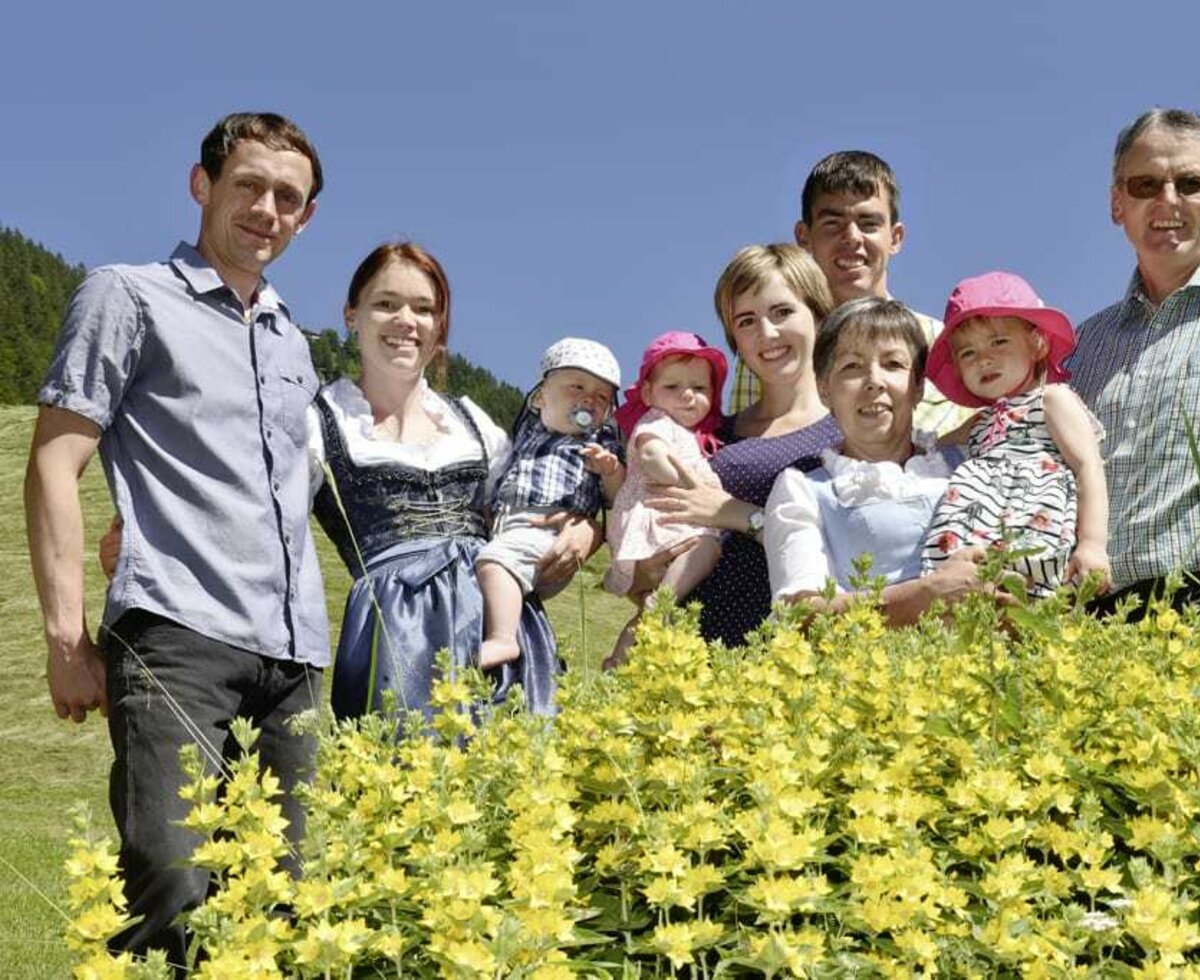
(756, 520)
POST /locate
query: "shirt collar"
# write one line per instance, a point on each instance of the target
(1137, 288)
(203, 278)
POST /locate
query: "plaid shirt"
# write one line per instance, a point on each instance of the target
(1138, 370)
(935, 413)
(546, 470)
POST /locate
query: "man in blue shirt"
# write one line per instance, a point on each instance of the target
(191, 380)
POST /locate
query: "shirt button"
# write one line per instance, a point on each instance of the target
(275, 486)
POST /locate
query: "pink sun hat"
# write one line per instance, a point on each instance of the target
(677, 343)
(997, 294)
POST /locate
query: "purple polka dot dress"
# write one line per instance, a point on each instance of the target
(736, 597)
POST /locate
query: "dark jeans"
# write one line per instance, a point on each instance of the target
(211, 683)
(1143, 591)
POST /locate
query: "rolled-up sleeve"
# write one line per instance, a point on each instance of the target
(97, 350)
(796, 558)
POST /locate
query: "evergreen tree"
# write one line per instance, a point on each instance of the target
(36, 285)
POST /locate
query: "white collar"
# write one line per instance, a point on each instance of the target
(859, 481)
(348, 397)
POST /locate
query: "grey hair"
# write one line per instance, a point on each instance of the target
(1173, 120)
(869, 316)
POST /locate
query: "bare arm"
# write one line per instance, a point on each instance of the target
(605, 464)
(63, 443)
(904, 602)
(655, 458)
(1073, 433)
(689, 501)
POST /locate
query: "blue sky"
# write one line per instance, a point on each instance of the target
(588, 169)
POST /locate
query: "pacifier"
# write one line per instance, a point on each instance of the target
(583, 419)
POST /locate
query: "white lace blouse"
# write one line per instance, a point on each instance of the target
(456, 444)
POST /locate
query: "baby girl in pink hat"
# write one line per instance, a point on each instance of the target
(669, 419)
(1034, 480)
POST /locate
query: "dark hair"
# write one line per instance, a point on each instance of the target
(869, 316)
(408, 253)
(850, 172)
(1175, 120)
(272, 130)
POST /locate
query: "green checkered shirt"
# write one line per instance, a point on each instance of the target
(1138, 370)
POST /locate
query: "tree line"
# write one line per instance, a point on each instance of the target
(36, 284)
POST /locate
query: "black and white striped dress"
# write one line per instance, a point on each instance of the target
(1014, 490)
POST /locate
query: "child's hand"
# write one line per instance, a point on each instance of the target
(599, 460)
(1088, 558)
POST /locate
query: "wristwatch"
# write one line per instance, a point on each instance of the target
(755, 522)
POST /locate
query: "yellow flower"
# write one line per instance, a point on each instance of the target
(678, 940)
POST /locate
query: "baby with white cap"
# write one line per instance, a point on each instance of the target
(566, 457)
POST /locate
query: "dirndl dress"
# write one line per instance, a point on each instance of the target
(409, 537)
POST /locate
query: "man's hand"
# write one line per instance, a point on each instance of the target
(1086, 559)
(76, 677)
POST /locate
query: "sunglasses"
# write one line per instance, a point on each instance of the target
(1146, 186)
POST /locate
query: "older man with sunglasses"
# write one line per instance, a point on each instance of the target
(1137, 364)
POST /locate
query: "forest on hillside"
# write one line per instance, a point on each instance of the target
(35, 285)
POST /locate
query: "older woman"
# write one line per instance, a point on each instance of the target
(770, 299)
(403, 474)
(876, 492)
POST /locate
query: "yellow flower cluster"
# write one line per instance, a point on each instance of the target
(968, 797)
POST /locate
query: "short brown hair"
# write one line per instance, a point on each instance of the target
(869, 316)
(751, 268)
(850, 172)
(272, 130)
(408, 253)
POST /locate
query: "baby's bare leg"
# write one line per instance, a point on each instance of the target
(682, 576)
(502, 601)
(693, 566)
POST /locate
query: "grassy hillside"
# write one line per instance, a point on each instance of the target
(51, 764)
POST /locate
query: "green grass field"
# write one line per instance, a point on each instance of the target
(52, 764)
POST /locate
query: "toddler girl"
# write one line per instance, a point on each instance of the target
(1033, 479)
(669, 418)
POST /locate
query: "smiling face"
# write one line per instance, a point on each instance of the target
(564, 391)
(852, 239)
(997, 356)
(871, 388)
(1165, 229)
(683, 388)
(774, 331)
(397, 321)
(251, 212)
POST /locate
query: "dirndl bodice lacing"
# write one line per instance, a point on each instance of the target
(384, 505)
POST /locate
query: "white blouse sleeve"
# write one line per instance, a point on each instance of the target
(495, 440)
(316, 452)
(796, 558)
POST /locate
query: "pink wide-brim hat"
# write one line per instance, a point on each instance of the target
(674, 343)
(997, 294)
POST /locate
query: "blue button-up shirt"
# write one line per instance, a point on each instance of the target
(1137, 366)
(202, 406)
